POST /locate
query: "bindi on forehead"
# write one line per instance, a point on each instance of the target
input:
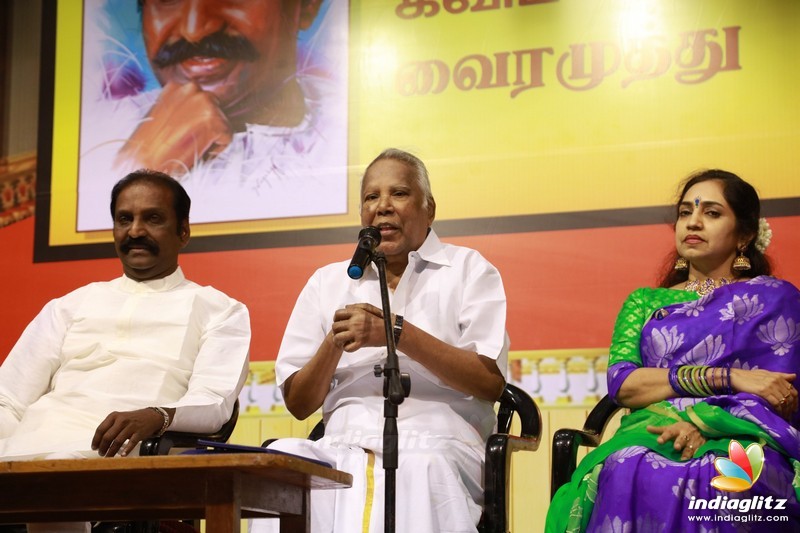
(704, 193)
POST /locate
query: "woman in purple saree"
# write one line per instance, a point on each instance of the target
(706, 360)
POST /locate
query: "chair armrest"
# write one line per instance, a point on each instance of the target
(172, 439)
(599, 417)
(515, 400)
(180, 439)
(565, 454)
(318, 431)
(499, 448)
(566, 442)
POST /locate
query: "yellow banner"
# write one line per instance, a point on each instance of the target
(527, 107)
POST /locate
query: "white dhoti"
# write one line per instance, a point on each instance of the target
(437, 490)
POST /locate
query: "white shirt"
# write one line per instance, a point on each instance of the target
(449, 291)
(122, 345)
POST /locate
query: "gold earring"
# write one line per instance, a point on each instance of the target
(681, 264)
(741, 263)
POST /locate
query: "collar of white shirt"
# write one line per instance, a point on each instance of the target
(153, 285)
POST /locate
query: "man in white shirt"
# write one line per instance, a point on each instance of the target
(449, 311)
(115, 362)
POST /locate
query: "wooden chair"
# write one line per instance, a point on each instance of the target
(177, 439)
(566, 442)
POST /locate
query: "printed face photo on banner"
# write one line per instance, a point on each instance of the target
(225, 96)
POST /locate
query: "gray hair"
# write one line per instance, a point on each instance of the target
(414, 163)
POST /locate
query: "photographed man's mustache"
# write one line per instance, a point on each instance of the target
(217, 44)
(140, 242)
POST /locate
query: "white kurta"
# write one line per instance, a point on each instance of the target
(118, 346)
(454, 294)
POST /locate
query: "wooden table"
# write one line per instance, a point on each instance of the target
(222, 488)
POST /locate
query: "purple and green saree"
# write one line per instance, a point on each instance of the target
(632, 483)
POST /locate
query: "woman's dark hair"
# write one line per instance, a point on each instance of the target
(180, 200)
(743, 200)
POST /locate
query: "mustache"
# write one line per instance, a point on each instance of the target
(217, 44)
(139, 242)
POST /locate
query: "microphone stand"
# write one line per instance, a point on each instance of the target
(396, 387)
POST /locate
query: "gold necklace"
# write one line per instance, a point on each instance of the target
(706, 286)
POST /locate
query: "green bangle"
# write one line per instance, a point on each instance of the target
(690, 381)
(703, 383)
(697, 381)
(684, 380)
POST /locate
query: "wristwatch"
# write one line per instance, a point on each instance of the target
(398, 328)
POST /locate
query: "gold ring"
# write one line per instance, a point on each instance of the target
(686, 438)
(690, 447)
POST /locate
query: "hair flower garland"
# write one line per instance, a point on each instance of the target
(764, 236)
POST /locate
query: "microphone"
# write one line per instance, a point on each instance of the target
(368, 239)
